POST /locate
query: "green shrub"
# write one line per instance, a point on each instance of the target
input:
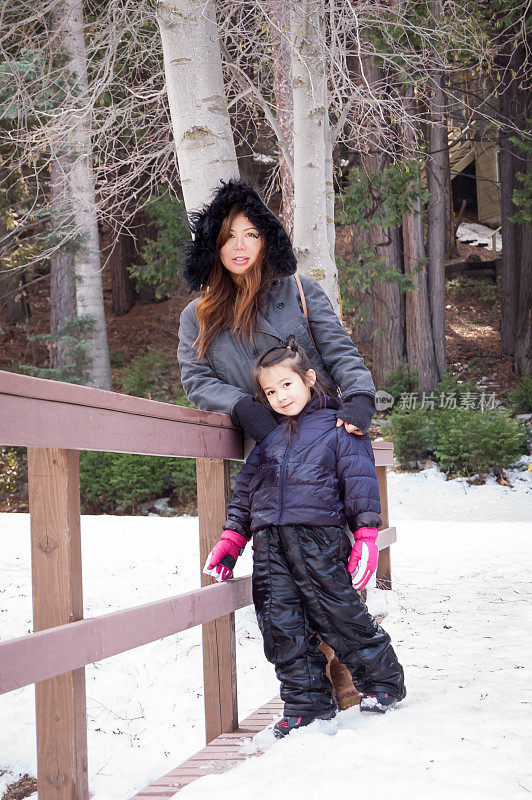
(471, 442)
(117, 357)
(184, 491)
(71, 337)
(162, 256)
(412, 436)
(148, 375)
(522, 194)
(369, 200)
(463, 441)
(401, 381)
(521, 395)
(451, 382)
(13, 470)
(121, 482)
(451, 386)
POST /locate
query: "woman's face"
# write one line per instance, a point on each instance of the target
(242, 248)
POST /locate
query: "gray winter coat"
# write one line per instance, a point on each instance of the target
(218, 381)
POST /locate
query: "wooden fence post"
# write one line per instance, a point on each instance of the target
(384, 566)
(219, 650)
(53, 478)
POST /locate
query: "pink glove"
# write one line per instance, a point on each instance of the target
(222, 558)
(364, 556)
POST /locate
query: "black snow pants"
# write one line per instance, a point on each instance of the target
(301, 587)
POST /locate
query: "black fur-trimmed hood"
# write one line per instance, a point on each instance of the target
(205, 226)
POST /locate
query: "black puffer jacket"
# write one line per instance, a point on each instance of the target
(323, 476)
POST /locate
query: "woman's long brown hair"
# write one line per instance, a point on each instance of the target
(229, 303)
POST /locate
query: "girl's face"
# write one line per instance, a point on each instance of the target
(285, 389)
(243, 246)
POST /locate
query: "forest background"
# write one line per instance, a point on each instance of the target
(117, 118)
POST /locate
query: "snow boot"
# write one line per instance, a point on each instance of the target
(288, 724)
(379, 703)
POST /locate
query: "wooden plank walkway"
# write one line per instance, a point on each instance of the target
(220, 755)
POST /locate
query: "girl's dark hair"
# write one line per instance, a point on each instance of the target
(300, 363)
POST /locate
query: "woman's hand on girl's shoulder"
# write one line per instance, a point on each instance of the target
(349, 428)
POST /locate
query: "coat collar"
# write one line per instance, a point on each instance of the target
(264, 326)
(315, 403)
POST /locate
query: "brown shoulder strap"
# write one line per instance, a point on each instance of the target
(304, 304)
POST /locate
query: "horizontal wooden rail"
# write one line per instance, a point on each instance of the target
(51, 652)
(35, 412)
(386, 537)
(17, 385)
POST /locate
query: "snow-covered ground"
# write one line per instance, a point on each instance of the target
(460, 619)
(474, 233)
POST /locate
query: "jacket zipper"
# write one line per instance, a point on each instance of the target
(281, 483)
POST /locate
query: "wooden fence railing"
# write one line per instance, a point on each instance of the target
(54, 421)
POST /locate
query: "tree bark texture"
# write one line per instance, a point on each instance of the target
(62, 278)
(437, 179)
(523, 332)
(419, 340)
(451, 242)
(68, 25)
(388, 304)
(360, 299)
(119, 253)
(515, 256)
(279, 34)
(511, 241)
(329, 190)
(419, 334)
(437, 219)
(313, 225)
(13, 302)
(198, 107)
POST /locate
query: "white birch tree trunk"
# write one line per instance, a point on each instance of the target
(68, 27)
(329, 188)
(62, 276)
(279, 36)
(198, 108)
(313, 236)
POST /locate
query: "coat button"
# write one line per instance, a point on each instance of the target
(281, 304)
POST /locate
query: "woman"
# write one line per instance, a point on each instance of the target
(242, 261)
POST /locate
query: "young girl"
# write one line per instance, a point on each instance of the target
(298, 488)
